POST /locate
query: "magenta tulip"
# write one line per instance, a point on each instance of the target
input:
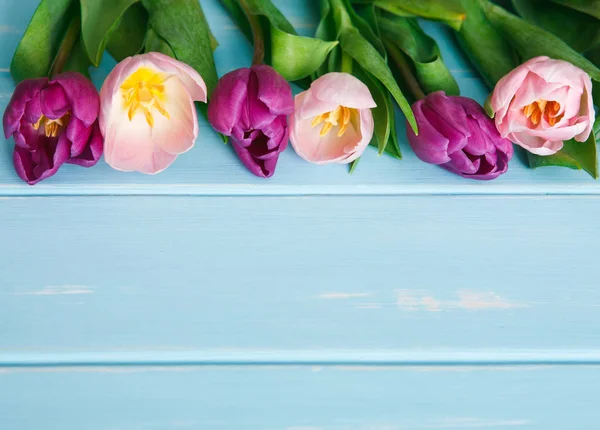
(456, 133)
(53, 122)
(251, 106)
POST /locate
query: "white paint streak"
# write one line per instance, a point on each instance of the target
(343, 295)
(4, 70)
(59, 290)
(303, 428)
(411, 301)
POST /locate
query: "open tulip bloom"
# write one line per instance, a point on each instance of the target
(148, 115)
(332, 122)
(543, 103)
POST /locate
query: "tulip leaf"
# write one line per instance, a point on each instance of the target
(369, 59)
(37, 50)
(381, 117)
(98, 18)
(78, 60)
(531, 41)
(183, 26)
(590, 7)
(155, 43)
(326, 31)
(487, 48)
(237, 14)
(365, 29)
(353, 165)
(447, 11)
(127, 38)
(430, 70)
(296, 57)
(574, 155)
(578, 30)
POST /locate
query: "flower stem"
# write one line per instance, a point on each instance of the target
(257, 34)
(346, 63)
(66, 46)
(404, 68)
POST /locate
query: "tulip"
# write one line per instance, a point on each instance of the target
(148, 116)
(53, 122)
(456, 133)
(251, 106)
(332, 121)
(542, 103)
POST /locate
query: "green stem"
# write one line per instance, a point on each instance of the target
(257, 34)
(66, 46)
(347, 63)
(404, 69)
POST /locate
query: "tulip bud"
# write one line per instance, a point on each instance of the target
(456, 133)
(53, 122)
(251, 106)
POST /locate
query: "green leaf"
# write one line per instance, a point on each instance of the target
(574, 155)
(155, 43)
(485, 46)
(37, 49)
(296, 57)
(237, 14)
(367, 56)
(430, 70)
(181, 23)
(267, 9)
(98, 18)
(594, 56)
(353, 165)
(78, 60)
(447, 11)
(69, 57)
(381, 117)
(578, 30)
(531, 41)
(590, 7)
(365, 29)
(127, 38)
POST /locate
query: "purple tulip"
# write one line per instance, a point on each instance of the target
(53, 122)
(251, 107)
(456, 133)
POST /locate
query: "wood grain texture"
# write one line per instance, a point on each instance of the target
(300, 398)
(324, 273)
(212, 168)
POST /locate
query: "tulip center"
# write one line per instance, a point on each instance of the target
(144, 91)
(542, 108)
(340, 117)
(52, 127)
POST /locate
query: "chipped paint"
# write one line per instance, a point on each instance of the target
(411, 301)
(59, 290)
(343, 295)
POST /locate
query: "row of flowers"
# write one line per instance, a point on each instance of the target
(145, 116)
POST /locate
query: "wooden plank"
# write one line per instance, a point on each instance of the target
(300, 398)
(212, 168)
(436, 274)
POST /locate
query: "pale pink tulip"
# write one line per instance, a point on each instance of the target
(542, 103)
(332, 122)
(147, 112)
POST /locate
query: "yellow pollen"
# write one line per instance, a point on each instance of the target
(53, 126)
(340, 116)
(144, 91)
(543, 109)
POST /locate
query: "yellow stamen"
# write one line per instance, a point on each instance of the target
(144, 91)
(543, 109)
(341, 116)
(52, 127)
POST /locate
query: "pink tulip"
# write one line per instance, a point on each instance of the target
(542, 103)
(148, 115)
(332, 122)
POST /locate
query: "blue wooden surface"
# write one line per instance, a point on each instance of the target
(401, 297)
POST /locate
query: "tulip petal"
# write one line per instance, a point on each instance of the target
(191, 79)
(307, 106)
(536, 145)
(176, 134)
(558, 71)
(273, 90)
(78, 134)
(258, 113)
(35, 166)
(81, 95)
(92, 152)
(587, 110)
(54, 102)
(343, 89)
(24, 92)
(229, 101)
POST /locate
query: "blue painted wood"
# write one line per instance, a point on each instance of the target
(299, 273)
(212, 168)
(300, 398)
